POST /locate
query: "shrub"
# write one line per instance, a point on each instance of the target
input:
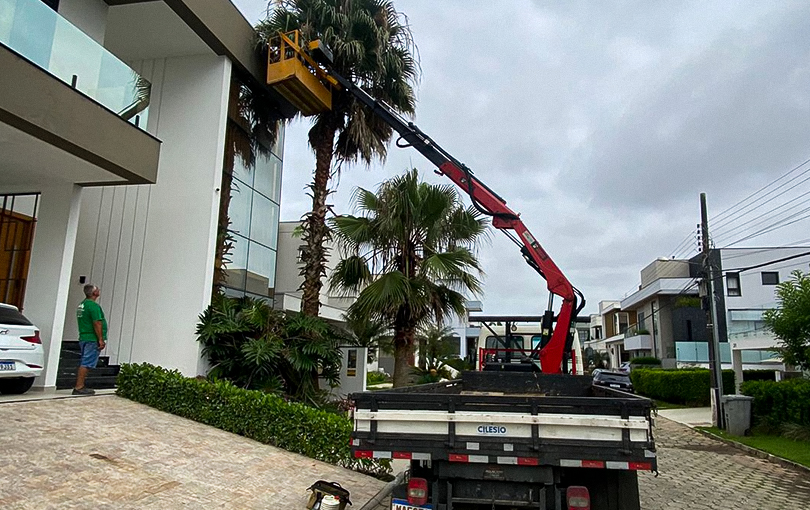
(645, 360)
(778, 403)
(256, 347)
(373, 378)
(684, 386)
(687, 386)
(264, 417)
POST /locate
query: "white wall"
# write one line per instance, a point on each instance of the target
(109, 253)
(754, 294)
(46, 294)
(151, 248)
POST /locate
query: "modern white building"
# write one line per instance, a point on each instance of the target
(668, 308)
(119, 123)
(288, 276)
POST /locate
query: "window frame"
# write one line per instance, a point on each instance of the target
(763, 274)
(730, 291)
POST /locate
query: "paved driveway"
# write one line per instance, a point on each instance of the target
(697, 472)
(108, 452)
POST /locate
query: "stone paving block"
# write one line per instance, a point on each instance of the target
(106, 452)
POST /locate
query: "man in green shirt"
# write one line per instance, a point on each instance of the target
(92, 336)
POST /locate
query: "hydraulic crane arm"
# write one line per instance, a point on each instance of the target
(557, 339)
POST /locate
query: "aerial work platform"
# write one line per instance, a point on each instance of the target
(296, 76)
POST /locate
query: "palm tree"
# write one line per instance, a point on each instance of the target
(409, 256)
(372, 46)
(365, 332)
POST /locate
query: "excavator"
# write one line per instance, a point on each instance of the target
(304, 75)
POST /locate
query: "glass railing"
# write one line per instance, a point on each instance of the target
(36, 32)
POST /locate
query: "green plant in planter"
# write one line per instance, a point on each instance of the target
(256, 347)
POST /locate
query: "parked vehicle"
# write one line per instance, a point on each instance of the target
(21, 353)
(617, 380)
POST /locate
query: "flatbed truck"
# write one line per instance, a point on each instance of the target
(522, 433)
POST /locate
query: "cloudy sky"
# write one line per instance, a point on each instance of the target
(602, 122)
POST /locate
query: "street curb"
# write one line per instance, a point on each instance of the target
(756, 452)
(384, 492)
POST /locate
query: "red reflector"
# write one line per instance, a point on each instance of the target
(34, 339)
(640, 466)
(593, 464)
(578, 498)
(29, 365)
(402, 455)
(417, 491)
(527, 461)
(363, 454)
(455, 457)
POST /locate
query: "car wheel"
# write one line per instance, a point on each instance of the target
(16, 386)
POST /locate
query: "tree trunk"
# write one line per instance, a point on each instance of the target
(403, 356)
(315, 230)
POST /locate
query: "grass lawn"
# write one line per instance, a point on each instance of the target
(667, 405)
(797, 451)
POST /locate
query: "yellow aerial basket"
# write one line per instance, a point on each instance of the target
(296, 76)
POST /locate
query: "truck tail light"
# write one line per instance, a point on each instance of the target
(34, 339)
(578, 498)
(417, 491)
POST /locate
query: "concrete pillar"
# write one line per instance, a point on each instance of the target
(48, 283)
(736, 364)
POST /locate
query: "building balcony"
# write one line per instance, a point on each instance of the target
(638, 342)
(62, 92)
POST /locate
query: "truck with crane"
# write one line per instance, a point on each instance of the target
(523, 431)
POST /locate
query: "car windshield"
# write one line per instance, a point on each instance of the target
(12, 317)
(612, 377)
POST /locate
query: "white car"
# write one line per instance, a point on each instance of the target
(21, 353)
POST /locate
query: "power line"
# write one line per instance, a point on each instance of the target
(780, 224)
(729, 210)
(751, 225)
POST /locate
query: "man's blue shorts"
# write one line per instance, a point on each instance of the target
(89, 354)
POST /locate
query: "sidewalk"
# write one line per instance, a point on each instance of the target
(691, 417)
(106, 452)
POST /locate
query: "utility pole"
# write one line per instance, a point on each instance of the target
(714, 346)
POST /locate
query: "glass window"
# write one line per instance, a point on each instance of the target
(770, 278)
(241, 171)
(268, 177)
(514, 342)
(261, 269)
(278, 146)
(733, 284)
(236, 266)
(264, 221)
(239, 208)
(622, 322)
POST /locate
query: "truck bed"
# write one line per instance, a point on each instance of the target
(507, 418)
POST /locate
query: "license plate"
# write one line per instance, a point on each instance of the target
(402, 504)
(615, 386)
(8, 365)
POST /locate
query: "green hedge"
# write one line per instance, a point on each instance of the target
(687, 386)
(781, 402)
(645, 360)
(261, 416)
